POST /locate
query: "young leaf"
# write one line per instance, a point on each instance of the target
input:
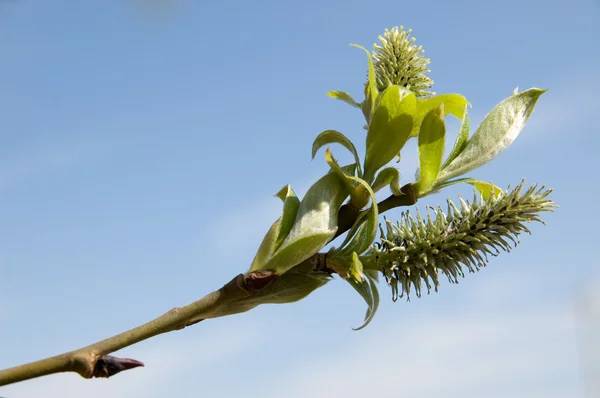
(342, 96)
(431, 149)
(267, 247)
(371, 92)
(486, 189)
(367, 288)
(461, 139)
(454, 104)
(363, 232)
(371, 274)
(389, 129)
(287, 288)
(291, 203)
(389, 175)
(335, 167)
(349, 169)
(314, 226)
(497, 131)
(279, 229)
(356, 268)
(333, 136)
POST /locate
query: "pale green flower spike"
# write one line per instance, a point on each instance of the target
(398, 61)
(415, 251)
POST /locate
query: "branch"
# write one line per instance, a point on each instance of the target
(94, 361)
(348, 213)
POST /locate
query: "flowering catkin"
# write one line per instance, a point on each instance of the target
(415, 251)
(397, 61)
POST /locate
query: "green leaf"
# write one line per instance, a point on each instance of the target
(267, 247)
(356, 268)
(367, 288)
(280, 228)
(291, 204)
(461, 139)
(372, 274)
(340, 252)
(335, 167)
(389, 175)
(349, 169)
(486, 189)
(454, 104)
(431, 149)
(290, 287)
(314, 226)
(363, 232)
(342, 96)
(333, 136)
(497, 131)
(371, 92)
(287, 288)
(389, 128)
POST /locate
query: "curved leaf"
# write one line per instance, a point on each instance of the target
(335, 167)
(388, 176)
(461, 139)
(267, 247)
(366, 287)
(363, 232)
(497, 131)
(287, 288)
(454, 104)
(291, 203)
(372, 274)
(389, 129)
(339, 251)
(431, 149)
(349, 169)
(314, 226)
(342, 96)
(371, 92)
(280, 228)
(486, 189)
(334, 136)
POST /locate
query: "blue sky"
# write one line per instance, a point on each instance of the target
(140, 148)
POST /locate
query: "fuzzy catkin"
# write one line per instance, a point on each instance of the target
(397, 61)
(415, 251)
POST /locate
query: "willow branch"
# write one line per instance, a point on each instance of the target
(94, 361)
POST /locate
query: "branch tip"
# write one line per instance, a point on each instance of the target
(108, 366)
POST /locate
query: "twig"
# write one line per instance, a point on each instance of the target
(94, 361)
